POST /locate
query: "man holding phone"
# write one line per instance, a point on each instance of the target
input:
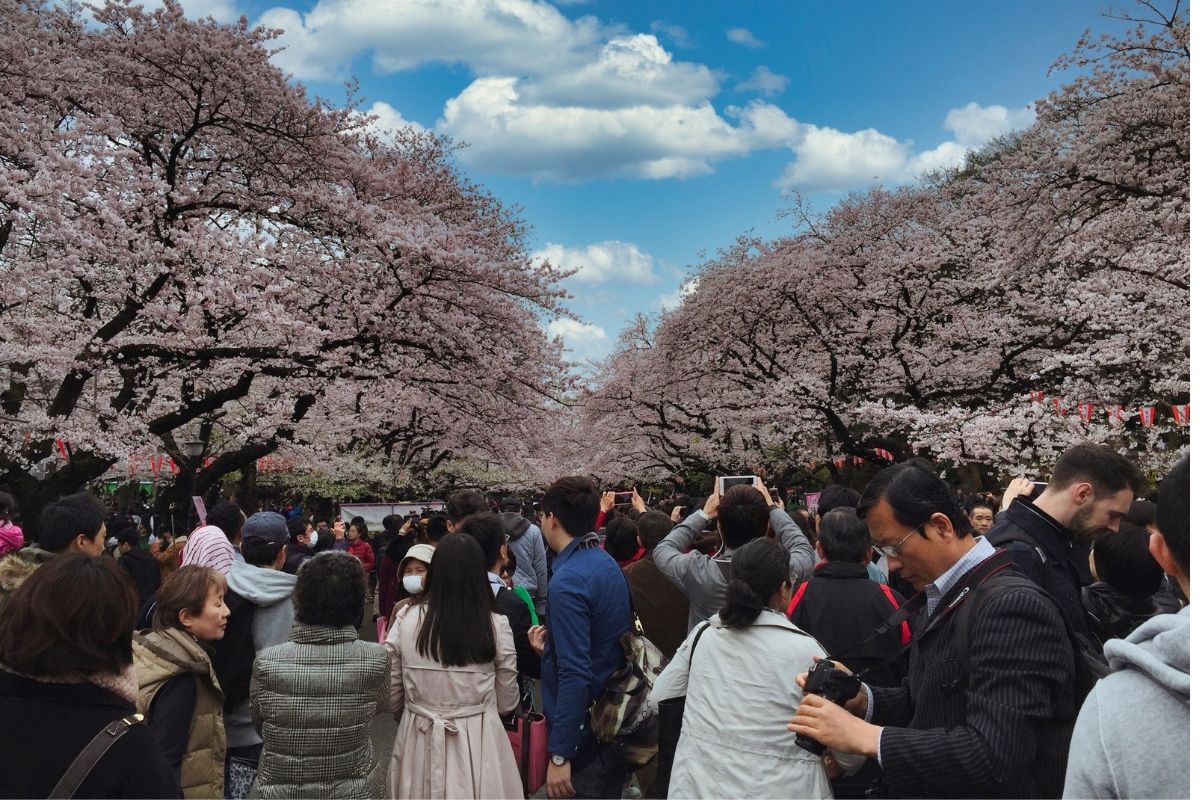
(1049, 536)
(742, 513)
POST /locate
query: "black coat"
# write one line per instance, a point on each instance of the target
(997, 724)
(840, 606)
(145, 572)
(1059, 564)
(46, 725)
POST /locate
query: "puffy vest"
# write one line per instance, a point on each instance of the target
(159, 656)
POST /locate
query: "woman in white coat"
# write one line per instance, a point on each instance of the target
(741, 690)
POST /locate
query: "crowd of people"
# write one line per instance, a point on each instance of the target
(904, 641)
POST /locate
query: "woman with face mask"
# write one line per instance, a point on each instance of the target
(412, 574)
(453, 674)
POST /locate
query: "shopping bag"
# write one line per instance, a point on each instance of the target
(528, 742)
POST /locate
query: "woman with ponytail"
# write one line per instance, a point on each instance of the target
(738, 671)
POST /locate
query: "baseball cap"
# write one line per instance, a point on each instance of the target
(266, 525)
(421, 552)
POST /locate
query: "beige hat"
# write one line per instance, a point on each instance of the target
(421, 552)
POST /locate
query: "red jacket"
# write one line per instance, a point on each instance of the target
(362, 550)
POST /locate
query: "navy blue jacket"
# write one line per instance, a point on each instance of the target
(587, 611)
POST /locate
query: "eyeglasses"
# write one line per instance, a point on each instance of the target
(893, 550)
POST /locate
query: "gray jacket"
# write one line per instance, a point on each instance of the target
(271, 593)
(525, 540)
(313, 700)
(1131, 738)
(704, 579)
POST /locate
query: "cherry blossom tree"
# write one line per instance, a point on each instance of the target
(921, 319)
(193, 249)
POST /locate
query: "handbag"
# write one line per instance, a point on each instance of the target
(528, 741)
(670, 725)
(90, 755)
(622, 716)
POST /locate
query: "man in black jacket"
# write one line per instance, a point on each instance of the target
(1049, 538)
(488, 530)
(988, 717)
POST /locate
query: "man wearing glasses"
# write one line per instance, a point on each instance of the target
(992, 718)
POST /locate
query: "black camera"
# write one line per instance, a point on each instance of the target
(826, 680)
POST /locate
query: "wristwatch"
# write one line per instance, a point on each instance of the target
(557, 761)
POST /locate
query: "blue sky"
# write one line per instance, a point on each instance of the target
(637, 136)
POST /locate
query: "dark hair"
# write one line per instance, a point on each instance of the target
(457, 627)
(260, 552)
(977, 501)
(463, 504)
(1173, 513)
(186, 588)
(359, 524)
(46, 632)
(804, 522)
(575, 503)
(843, 536)
(915, 494)
(653, 527)
(1105, 469)
(129, 536)
(67, 518)
(511, 504)
(392, 523)
(228, 517)
(8, 506)
(742, 515)
(331, 589)
(296, 527)
(1124, 562)
(325, 541)
(436, 528)
(758, 570)
(836, 496)
(621, 538)
(488, 531)
(1141, 513)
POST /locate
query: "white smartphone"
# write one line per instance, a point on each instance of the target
(725, 481)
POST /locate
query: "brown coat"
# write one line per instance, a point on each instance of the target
(451, 742)
(159, 656)
(660, 605)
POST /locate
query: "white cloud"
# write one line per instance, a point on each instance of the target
(627, 71)
(601, 262)
(506, 133)
(763, 81)
(220, 10)
(743, 37)
(827, 159)
(581, 340)
(489, 36)
(974, 125)
(388, 120)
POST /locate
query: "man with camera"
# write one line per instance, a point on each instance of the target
(987, 707)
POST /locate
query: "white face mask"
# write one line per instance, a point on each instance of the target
(414, 584)
(312, 539)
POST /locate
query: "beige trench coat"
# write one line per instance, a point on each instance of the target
(451, 742)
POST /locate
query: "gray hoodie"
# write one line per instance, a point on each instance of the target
(1131, 738)
(271, 593)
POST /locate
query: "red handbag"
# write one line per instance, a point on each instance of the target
(529, 748)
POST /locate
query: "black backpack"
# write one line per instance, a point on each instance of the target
(233, 659)
(1090, 666)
